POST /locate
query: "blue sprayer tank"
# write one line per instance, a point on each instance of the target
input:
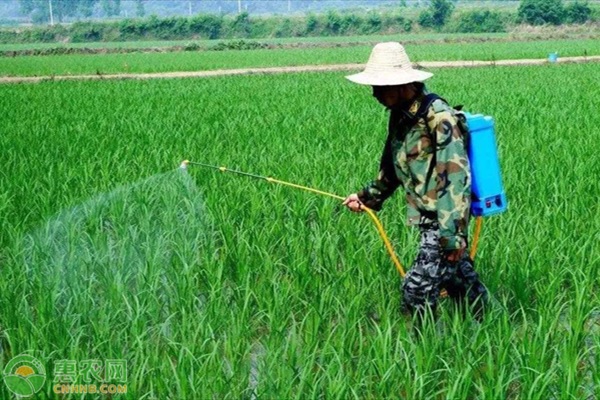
(488, 197)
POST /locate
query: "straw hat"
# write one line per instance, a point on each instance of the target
(389, 65)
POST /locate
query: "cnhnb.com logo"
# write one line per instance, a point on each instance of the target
(24, 375)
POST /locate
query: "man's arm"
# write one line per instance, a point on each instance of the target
(376, 192)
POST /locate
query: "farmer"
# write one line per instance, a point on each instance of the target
(436, 180)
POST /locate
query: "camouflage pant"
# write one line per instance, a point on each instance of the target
(429, 274)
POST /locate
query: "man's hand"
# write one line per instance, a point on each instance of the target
(353, 203)
(454, 255)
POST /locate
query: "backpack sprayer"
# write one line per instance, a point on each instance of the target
(488, 195)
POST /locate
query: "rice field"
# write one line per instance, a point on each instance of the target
(217, 286)
(211, 60)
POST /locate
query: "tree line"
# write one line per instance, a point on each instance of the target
(533, 12)
(440, 15)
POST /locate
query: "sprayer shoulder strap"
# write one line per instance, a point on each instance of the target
(422, 113)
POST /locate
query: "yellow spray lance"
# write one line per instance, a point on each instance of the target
(184, 165)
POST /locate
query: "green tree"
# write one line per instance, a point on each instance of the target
(373, 23)
(441, 10)
(480, 21)
(578, 13)
(333, 22)
(425, 19)
(437, 14)
(241, 25)
(207, 25)
(312, 23)
(540, 12)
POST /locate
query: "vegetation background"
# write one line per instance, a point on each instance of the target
(110, 20)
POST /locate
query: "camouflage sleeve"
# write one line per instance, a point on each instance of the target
(453, 183)
(376, 192)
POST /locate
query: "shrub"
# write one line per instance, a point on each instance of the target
(540, 12)
(241, 26)
(372, 23)
(437, 14)
(333, 23)
(595, 13)
(480, 21)
(312, 24)
(8, 36)
(45, 34)
(441, 10)
(86, 32)
(397, 22)
(167, 28)
(131, 28)
(192, 47)
(239, 45)
(426, 19)
(284, 29)
(578, 13)
(351, 23)
(180, 27)
(209, 26)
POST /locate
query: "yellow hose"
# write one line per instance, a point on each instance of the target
(335, 196)
(386, 241)
(478, 223)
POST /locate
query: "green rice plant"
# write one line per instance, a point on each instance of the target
(211, 60)
(211, 285)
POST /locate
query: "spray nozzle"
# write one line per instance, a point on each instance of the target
(184, 164)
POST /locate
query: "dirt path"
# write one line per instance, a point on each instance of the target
(280, 70)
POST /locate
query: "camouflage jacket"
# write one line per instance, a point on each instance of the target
(406, 161)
